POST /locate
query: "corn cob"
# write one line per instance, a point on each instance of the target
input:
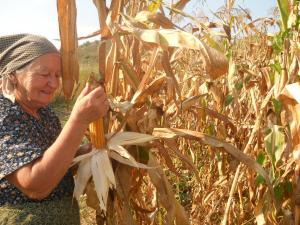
(96, 128)
(97, 133)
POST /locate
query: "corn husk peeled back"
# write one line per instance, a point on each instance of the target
(97, 164)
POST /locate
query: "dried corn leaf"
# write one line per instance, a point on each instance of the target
(175, 212)
(136, 57)
(120, 106)
(171, 133)
(153, 88)
(134, 22)
(169, 72)
(294, 69)
(291, 91)
(216, 63)
(165, 154)
(96, 33)
(128, 138)
(180, 4)
(146, 77)
(129, 161)
(123, 177)
(156, 18)
(184, 158)
(290, 99)
(130, 74)
(191, 101)
(115, 86)
(220, 117)
(259, 214)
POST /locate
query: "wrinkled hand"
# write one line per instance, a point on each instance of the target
(90, 105)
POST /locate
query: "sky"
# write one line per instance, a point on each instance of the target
(40, 16)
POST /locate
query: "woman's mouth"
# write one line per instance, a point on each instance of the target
(47, 92)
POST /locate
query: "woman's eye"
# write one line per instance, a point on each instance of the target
(44, 74)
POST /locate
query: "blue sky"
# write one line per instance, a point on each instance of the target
(40, 16)
(258, 8)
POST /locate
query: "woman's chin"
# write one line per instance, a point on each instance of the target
(45, 100)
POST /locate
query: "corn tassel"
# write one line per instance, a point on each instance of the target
(97, 133)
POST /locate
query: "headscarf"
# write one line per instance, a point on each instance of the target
(17, 51)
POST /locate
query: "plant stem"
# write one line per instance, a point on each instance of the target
(246, 149)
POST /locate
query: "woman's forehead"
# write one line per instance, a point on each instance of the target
(37, 67)
(45, 62)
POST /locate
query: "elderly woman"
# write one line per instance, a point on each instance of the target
(36, 185)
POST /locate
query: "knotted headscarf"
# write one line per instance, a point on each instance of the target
(17, 51)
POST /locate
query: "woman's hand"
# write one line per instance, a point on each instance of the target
(38, 178)
(90, 105)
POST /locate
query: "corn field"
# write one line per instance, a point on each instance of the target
(204, 120)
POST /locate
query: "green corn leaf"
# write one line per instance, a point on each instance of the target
(154, 6)
(277, 106)
(261, 158)
(238, 86)
(275, 144)
(283, 6)
(228, 100)
(279, 191)
(276, 66)
(259, 179)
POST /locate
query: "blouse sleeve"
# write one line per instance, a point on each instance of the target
(17, 147)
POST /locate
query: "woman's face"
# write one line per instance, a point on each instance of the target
(35, 86)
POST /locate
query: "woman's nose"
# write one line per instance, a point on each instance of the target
(53, 81)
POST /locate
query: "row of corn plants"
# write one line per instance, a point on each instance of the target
(203, 127)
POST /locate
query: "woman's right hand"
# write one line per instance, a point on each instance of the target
(90, 105)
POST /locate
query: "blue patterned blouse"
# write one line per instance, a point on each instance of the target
(23, 138)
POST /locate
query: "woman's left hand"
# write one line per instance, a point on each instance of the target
(83, 149)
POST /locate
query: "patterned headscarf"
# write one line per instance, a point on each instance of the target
(17, 51)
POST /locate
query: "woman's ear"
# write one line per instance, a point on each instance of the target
(12, 78)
